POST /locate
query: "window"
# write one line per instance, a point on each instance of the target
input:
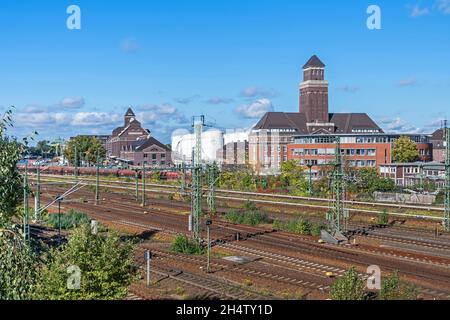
(154, 156)
(163, 163)
(145, 155)
(163, 155)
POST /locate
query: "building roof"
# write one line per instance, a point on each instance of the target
(345, 123)
(349, 122)
(314, 62)
(438, 135)
(151, 142)
(130, 113)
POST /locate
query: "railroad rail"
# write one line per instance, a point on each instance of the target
(122, 185)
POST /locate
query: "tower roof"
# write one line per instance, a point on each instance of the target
(130, 113)
(314, 62)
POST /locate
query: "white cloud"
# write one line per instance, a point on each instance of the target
(439, 6)
(256, 109)
(254, 92)
(398, 125)
(129, 45)
(348, 89)
(152, 113)
(418, 11)
(443, 6)
(72, 102)
(187, 100)
(407, 82)
(34, 109)
(94, 118)
(218, 100)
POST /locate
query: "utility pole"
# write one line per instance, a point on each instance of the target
(212, 177)
(143, 185)
(208, 225)
(447, 178)
(310, 179)
(26, 225)
(97, 181)
(136, 176)
(197, 178)
(337, 215)
(183, 178)
(37, 204)
(76, 163)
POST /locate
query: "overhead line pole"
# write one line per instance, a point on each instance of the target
(76, 163)
(447, 179)
(38, 194)
(143, 185)
(97, 180)
(26, 225)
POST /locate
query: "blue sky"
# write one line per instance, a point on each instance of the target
(229, 59)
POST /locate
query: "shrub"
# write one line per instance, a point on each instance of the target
(252, 218)
(393, 288)
(71, 220)
(182, 244)
(248, 215)
(18, 265)
(348, 287)
(383, 218)
(105, 262)
(300, 226)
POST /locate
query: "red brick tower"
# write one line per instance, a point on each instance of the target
(314, 92)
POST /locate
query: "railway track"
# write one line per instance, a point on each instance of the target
(293, 201)
(116, 210)
(221, 288)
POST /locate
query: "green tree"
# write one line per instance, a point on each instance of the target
(105, 263)
(348, 287)
(87, 148)
(11, 184)
(293, 176)
(368, 181)
(18, 264)
(44, 149)
(393, 288)
(405, 150)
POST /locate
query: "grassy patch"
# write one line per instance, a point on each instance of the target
(252, 218)
(249, 215)
(182, 244)
(299, 226)
(69, 220)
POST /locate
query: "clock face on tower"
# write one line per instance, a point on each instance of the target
(131, 119)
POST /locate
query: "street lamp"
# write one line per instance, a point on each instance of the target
(208, 224)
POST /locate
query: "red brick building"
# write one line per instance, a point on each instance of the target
(357, 150)
(133, 144)
(307, 135)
